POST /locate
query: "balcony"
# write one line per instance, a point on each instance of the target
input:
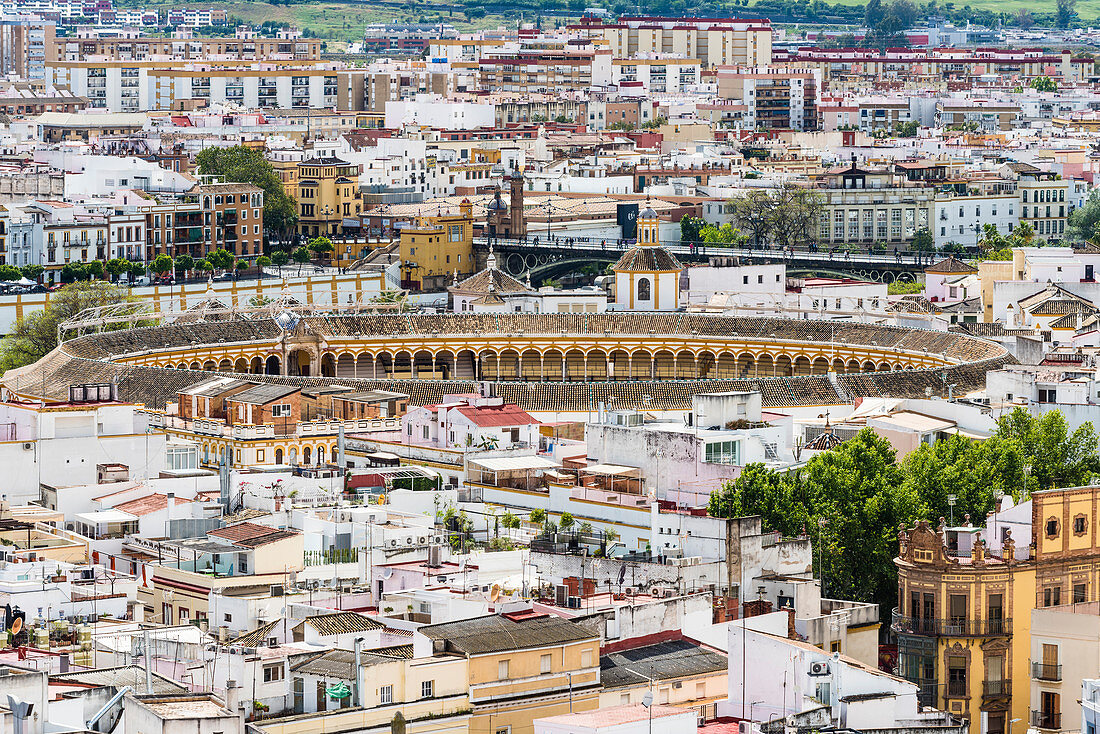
(1046, 720)
(953, 627)
(956, 688)
(1046, 671)
(997, 688)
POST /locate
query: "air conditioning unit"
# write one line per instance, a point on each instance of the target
(276, 589)
(28, 445)
(393, 542)
(422, 539)
(819, 668)
(660, 592)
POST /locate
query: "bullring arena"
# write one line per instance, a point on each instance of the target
(542, 362)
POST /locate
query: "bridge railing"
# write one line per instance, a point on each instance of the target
(801, 252)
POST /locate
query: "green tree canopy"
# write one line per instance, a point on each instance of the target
(32, 271)
(162, 264)
(238, 164)
(34, 335)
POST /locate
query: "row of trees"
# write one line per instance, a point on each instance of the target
(854, 498)
(782, 216)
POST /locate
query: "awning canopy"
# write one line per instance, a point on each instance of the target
(514, 463)
(609, 469)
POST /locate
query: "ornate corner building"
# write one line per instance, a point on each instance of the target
(965, 601)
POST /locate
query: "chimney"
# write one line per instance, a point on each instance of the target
(232, 697)
(360, 680)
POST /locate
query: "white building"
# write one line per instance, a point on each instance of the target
(466, 422)
(62, 444)
(436, 112)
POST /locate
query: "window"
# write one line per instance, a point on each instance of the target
(385, 694)
(544, 664)
(1080, 593)
(644, 289)
(273, 672)
(1052, 596)
(502, 670)
(1052, 527)
(723, 452)
(586, 658)
(426, 688)
(1080, 525)
(281, 410)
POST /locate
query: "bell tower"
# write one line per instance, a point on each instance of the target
(515, 208)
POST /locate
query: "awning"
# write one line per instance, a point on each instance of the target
(351, 223)
(383, 456)
(609, 469)
(514, 463)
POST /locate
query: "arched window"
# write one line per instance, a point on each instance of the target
(305, 455)
(278, 456)
(293, 456)
(644, 289)
(320, 454)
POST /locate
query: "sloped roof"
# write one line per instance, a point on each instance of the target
(949, 265)
(241, 531)
(478, 283)
(257, 637)
(148, 504)
(488, 416)
(647, 259)
(123, 675)
(662, 661)
(340, 623)
(496, 633)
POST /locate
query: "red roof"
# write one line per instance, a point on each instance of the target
(496, 415)
(147, 505)
(242, 531)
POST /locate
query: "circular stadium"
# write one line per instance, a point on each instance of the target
(542, 362)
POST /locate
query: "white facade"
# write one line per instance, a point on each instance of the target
(439, 113)
(961, 219)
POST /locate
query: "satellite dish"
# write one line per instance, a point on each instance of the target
(494, 593)
(647, 699)
(17, 626)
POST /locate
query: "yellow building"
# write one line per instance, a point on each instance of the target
(522, 666)
(964, 618)
(328, 192)
(435, 248)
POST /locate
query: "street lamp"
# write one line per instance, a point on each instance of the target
(951, 499)
(647, 701)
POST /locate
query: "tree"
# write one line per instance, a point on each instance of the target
(238, 164)
(204, 266)
(1084, 220)
(973, 471)
(279, 258)
(509, 521)
(1043, 84)
(853, 497)
(32, 271)
(162, 264)
(263, 261)
(34, 335)
(10, 272)
(72, 272)
(1065, 13)
(751, 214)
(137, 269)
(873, 13)
(726, 235)
(301, 256)
(320, 247)
(94, 269)
(117, 266)
(566, 521)
(538, 516)
(1057, 457)
(184, 264)
(221, 259)
(689, 228)
(923, 241)
(1024, 18)
(241, 266)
